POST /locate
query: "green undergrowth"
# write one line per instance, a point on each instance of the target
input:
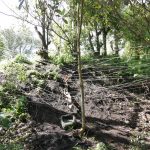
(11, 147)
(138, 141)
(131, 67)
(12, 105)
(38, 78)
(62, 59)
(12, 101)
(18, 73)
(22, 60)
(15, 73)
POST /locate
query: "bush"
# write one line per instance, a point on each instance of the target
(62, 59)
(54, 75)
(12, 104)
(15, 110)
(8, 93)
(22, 60)
(101, 146)
(15, 73)
(11, 147)
(4, 120)
(87, 59)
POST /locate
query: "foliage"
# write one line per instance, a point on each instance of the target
(11, 147)
(62, 59)
(4, 121)
(139, 67)
(18, 41)
(22, 60)
(89, 59)
(43, 13)
(138, 63)
(12, 105)
(1, 48)
(12, 101)
(139, 34)
(15, 73)
(54, 75)
(8, 93)
(101, 146)
(138, 141)
(59, 23)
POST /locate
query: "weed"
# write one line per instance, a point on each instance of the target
(11, 147)
(15, 73)
(22, 60)
(138, 142)
(62, 59)
(54, 75)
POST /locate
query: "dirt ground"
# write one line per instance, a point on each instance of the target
(115, 115)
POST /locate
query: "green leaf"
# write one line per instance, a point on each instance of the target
(65, 21)
(58, 11)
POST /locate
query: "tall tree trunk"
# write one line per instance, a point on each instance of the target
(44, 33)
(116, 43)
(79, 29)
(44, 52)
(90, 41)
(98, 45)
(105, 42)
(74, 28)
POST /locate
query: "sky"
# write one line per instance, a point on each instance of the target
(6, 21)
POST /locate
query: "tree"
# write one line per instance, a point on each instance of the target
(16, 42)
(135, 28)
(42, 14)
(99, 15)
(79, 29)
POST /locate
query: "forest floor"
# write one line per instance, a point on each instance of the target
(116, 114)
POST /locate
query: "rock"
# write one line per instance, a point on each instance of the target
(67, 121)
(2, 131)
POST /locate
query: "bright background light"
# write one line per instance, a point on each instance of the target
(7, 7)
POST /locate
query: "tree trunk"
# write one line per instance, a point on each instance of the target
(105, 42)
(44, 35)
(98, 44)
(74, 50)
(44, 51)
(79, 28)
(74, 28)
(90, 41)
(116, 40)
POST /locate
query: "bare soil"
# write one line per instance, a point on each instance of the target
(115, 114)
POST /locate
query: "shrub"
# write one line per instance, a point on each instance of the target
(101, 146)
(15, 110)
(62, 59)
(15, 73)
(22, 59)
(11, 147)
(4, 120)
(8, 93)
(54, 75)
